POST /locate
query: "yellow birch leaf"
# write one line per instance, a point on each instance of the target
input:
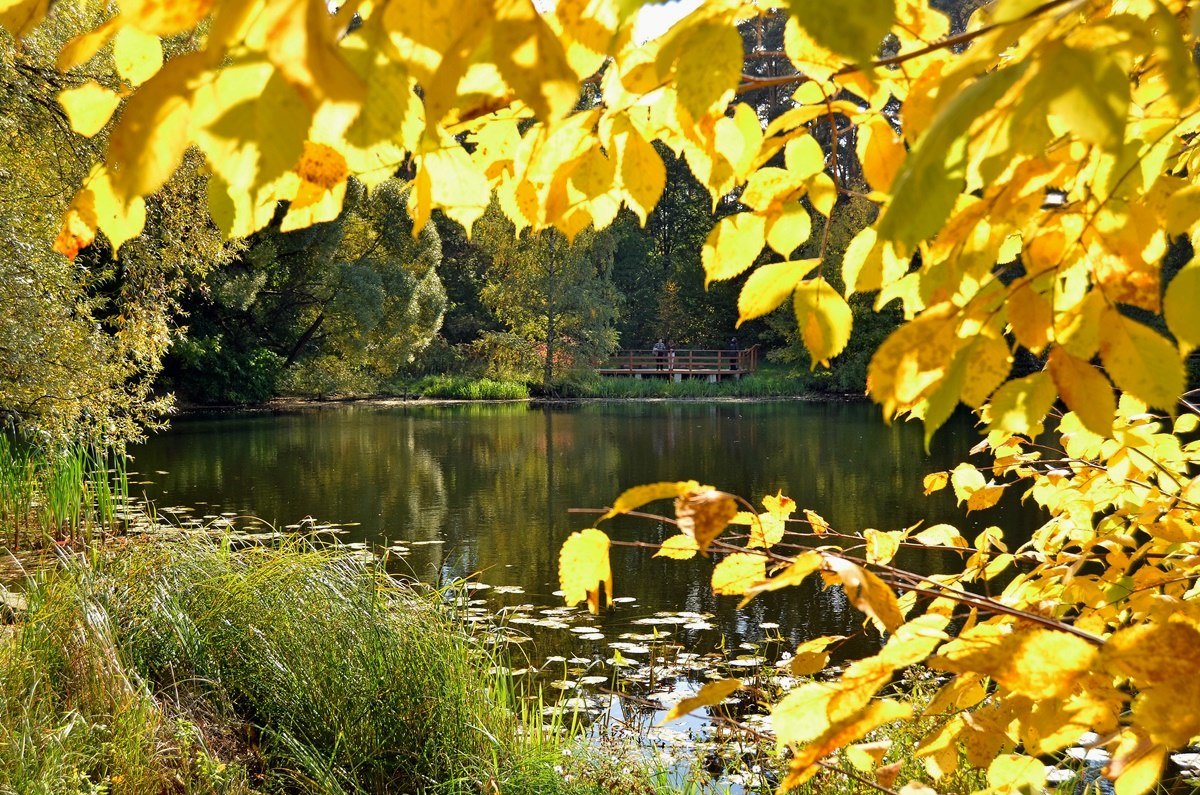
(20, 17)
(823, 193)
(987, 366)
(854, 30)
(807, 56)
(532, 60)
(737, 573)
(1141, 361)
(154, 129)
(136, 54)
(709, 68)
(678, 547)
(1019, 406)
(811, 656)
(816, 522)
(300, 41)
(166, 18)
(1183, 210)
(786, 232)
(1031, 317)
(941, 535)
(966, 480)
(1136, 765)
(1175, 655)
(881, 152)
(766, 531)
(1036, 662)
(1179, 307)
(1078, 328)
(882, 546)
(912, 360)
(866, 756)
(704, 514)
(803, 158)
(935, 481)
(120, 220)
(1085, 391)
(732, 246)
(769, 286)
(1015, 773)
(636, 497)
(1091, 94)
(824, 319)
(710, 695)
(803, 765)
(796, 572)
(985, 497)
(886, 775)
(583, 567)
(84, 47)
(643, 175)
(78, 227)
(88, 107)
(867, 592)
(456, 186)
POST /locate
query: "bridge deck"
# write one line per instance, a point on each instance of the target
(690, 363)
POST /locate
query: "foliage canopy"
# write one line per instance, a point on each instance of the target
(1033, 173)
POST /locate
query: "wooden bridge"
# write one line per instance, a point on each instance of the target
(713, 365)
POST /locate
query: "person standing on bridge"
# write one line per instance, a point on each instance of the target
(660, 354)
(733, 353)
(671, 355)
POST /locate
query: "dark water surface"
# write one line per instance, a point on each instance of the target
(485, 489)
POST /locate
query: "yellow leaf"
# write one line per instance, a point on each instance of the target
(808, 57)
(824, 319)
(811, 656)
(912, 360)
(1154, 654)
(301, 42)
(1089, 92)
(822, 192)
(987, 366)
(1085, 391)
(153, 132)
(137, 55)
(816, 522)
(636, 497)
(881, 152)
(20, 17)
(704, 514)
(935, 481)
(642, 173)
(866, 756)
(89, 107)
(769, 286)
(1136, 764)
(1036, 662)
(1031, 317)
(881, 546)
(786, 232)
(803, 765)
(766, 531)
(455, 185)
(1141, 361)
(1014, 773)
(532, 61)
(796, 572)
(84, 47)
(165, 18)
(867, 592)
(710, 695)
(732, 246)
(1183, 210)
(941, 535)
(678, 547)
(709, 68)
(120, 220)
(1019, 406)
(78, 227)
(853, 29)
(737, 573)
(804, 158)
(1179, 306)
(583, 567)
(1078, 329)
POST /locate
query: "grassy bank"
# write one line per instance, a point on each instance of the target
(192, 667)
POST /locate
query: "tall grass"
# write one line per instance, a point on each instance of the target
(77, 492)
(462, 387)
(268, 670)
(764, 384)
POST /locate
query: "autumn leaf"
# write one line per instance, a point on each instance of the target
(89, 107)
(732, 246)
(678, 547)
(824, 319)
(703, 514)
(583, 567)
(867, 592)
(712, 694)
(636, 497)
(737, 573)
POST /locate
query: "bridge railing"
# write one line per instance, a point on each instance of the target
(686, 360)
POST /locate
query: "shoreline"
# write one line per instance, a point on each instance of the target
(279, 405)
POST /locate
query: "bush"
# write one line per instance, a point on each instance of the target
(206, 372)
(302, 670)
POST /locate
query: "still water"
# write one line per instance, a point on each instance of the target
(483, 490)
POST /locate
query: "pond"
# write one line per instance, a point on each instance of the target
(484, 491)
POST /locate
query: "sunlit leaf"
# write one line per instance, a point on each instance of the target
(678, 547)
(703, 514)
(636, 497)
(867, 592)
(737, 573)
(89, 107)
(710, 695)
(583, 567)
(824, 319)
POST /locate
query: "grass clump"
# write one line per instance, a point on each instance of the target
(199, 668)
(462, 387)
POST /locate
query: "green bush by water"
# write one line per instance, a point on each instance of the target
(257, 670)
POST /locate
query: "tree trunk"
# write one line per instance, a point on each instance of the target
(548, 368)
(304, 338)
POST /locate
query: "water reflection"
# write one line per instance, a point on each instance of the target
(486, 488)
